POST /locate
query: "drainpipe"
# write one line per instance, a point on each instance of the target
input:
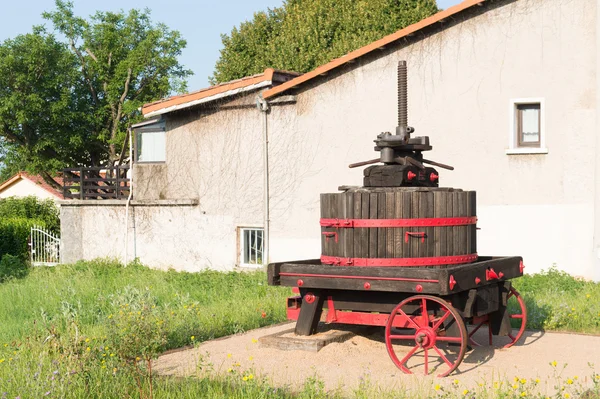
(596, 249)
(129, 197)
(263, 106)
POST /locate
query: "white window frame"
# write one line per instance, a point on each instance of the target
(138, 149)
(513, 145)
(242, 249)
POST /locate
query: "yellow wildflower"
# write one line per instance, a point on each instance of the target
(251, 358)
(575, 378)
(5, 345)
(572, 309)
(537, 380)
(2, 360)
(554, 363)
(245, 378)
(523, 381)
(88, 349)
(254, 340)
(523, 394)
(250, 377)
(567, 395)
(437, 387)
(515, 386)
(229, 355)
(112, 355)
(516, 379)
(496, 385)
(455, 382)
(569, 381)
(237, 364)
(587, 296)
(110, 316)
(193, 337)
(138, 359)
(466, 391)
(87, 340)
(230, 370)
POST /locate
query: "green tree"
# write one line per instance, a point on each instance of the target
(303, 34)
(67, 103)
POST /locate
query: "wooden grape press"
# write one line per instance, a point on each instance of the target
(400, 252)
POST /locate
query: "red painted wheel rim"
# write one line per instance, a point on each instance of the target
(520, 329)
(441, 337)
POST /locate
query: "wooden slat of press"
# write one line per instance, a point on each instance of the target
(324, 214)
(406, 214)
(359, 238)
(381, 232)
(457, 244)
(472, 211)
(348, 241)
(414, 242)
(390, 209)
(462, 211)
(398, 238)
(439, 235)
(426, 211)
(373, 209)
(449, 230)
(338, 213)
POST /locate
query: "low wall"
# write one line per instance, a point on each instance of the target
(163, 234)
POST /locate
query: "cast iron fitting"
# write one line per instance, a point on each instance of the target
(402, 101)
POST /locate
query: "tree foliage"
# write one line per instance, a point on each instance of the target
(303, 34)
(68, 102)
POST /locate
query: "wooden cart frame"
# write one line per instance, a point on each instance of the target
(426, 308)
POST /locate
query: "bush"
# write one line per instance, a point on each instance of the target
(14, 234)
(31, 207)
(12, 267)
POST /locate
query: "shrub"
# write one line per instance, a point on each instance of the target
(31, 207)
(14, 234)
(12, 266)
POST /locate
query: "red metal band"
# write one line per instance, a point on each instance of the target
(423, 222)
(402, 262)
(415, 280)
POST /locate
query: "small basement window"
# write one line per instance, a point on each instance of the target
(527, 134)
(150, 141)
(251, 246)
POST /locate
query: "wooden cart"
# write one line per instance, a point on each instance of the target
(427, 309)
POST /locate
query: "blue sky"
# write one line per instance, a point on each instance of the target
(201, 23)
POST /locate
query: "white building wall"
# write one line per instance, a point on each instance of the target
(461, 82)
(24, 188)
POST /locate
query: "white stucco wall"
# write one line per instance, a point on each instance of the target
(24, 188)
(461, 82)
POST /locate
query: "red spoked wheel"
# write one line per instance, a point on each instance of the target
(436, 330)
(518, 320)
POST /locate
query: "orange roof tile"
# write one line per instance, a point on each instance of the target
(266, 76)
(438, 17)
(38, 180)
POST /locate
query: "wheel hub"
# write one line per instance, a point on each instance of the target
(425, 337)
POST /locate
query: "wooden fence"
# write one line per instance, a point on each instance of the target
(96, 183)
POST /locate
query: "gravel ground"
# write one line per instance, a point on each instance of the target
(343, 365)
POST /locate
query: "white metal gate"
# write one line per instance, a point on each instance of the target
(44, 247)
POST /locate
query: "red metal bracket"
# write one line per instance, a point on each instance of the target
(451, 282)
(330, 234)
(383, 223)
(490, 274)
(399, 262)
(331, 312)
(415, 234)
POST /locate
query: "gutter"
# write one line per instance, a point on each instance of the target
(218, 96)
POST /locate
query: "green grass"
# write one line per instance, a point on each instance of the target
(59, 326)
(558, 302)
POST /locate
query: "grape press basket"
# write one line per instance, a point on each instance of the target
(400, 253)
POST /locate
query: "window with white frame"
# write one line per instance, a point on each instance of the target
(251, 246)
(527, 134)
(151, 146)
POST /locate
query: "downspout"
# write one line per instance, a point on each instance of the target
(129, 197)
(596, 249)
(263, 106)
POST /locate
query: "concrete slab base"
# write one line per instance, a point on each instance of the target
(287, 340)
